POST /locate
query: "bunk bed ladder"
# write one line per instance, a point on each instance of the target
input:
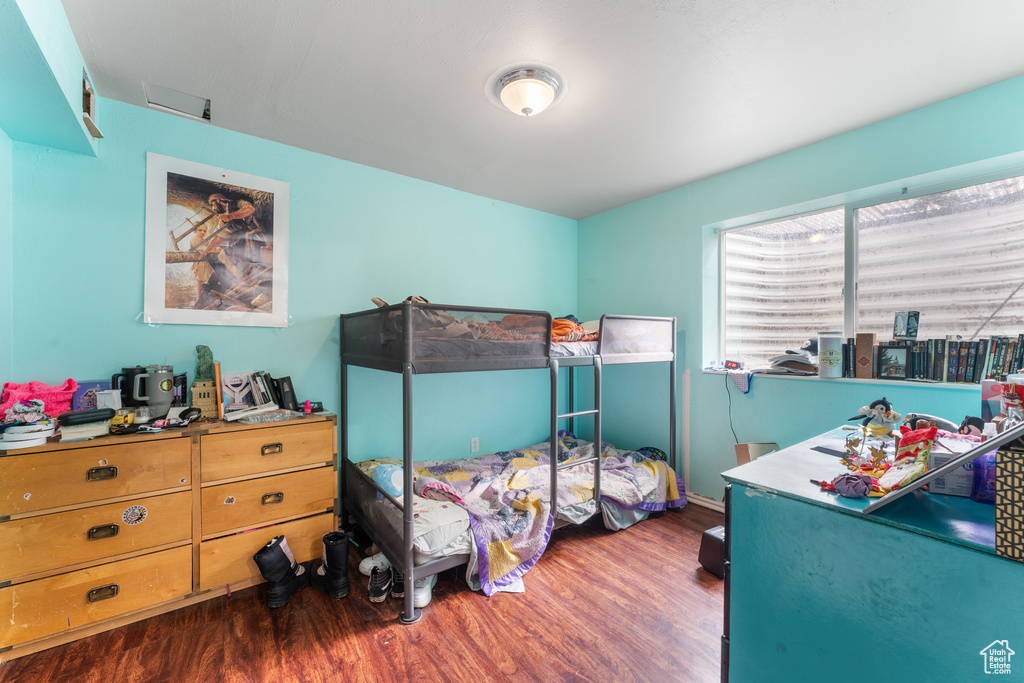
(555, 417)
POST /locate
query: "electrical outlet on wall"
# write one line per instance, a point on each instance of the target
(474, 444)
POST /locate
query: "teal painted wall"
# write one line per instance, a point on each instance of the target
(649, 257)
(41, 76)
(355, 232)
(821, 595)
(6, 257)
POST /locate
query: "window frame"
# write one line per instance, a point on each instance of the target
(942, 181)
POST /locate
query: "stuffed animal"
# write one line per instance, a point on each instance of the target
(971, 425)
(878, 418)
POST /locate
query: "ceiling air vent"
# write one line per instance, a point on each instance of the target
(177, 102)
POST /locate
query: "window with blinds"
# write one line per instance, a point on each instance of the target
(783, 284)
(956, 256)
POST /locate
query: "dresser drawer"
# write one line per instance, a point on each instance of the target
(38, 544)
(39, 608)
(241, 453)
(39, 481)
(253, 502)
(229, 559)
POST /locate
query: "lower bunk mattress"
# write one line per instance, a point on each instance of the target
(496, 507)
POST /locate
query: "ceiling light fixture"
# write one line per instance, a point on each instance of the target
(526, 90)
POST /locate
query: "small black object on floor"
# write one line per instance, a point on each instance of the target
(712, 551)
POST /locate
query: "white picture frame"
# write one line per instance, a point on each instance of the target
(216, 246)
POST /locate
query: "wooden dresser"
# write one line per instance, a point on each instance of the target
(101, 533)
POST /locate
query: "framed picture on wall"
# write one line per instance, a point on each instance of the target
(216, 246)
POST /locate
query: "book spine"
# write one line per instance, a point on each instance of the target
(1011, 349)
(933, 359)
(952, 354)
(997, 363)
(258, 390)
(972, 360)
(979, 369)
(1019, 358)
(865, 343)
(875, 351)
(850, 357)
(963, 356)
(943, 361)
(220, 391)
(990, 361)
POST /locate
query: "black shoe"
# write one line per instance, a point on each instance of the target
(332, 576)
(398, 588)
(381, 581)
(278, 566)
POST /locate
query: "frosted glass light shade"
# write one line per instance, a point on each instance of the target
(527, 97)
(527, 92)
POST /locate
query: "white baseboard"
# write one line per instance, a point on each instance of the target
(704, 502)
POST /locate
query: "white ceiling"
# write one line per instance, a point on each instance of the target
(661, 93)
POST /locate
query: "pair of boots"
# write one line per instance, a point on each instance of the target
(278, 566)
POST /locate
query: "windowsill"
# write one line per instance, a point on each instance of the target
(958, 386)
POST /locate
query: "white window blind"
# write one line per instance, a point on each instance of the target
(955, 256)
(783, 284)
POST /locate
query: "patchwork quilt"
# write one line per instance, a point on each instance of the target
(506, 496)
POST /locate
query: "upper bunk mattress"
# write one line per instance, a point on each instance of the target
(442, 338)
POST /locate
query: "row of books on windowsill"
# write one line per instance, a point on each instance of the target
(933, 360)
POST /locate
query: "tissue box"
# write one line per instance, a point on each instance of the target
(955, 483)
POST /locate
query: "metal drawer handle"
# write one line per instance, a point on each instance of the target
(272, 449)
(103, 531)
(101, 473)
(273, 498)
(103, 593)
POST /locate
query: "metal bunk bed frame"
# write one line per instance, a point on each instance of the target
(402, 559)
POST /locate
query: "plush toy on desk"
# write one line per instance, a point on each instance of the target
(971, 425)
(879, 418)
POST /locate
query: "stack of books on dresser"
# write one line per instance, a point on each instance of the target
(247, 393)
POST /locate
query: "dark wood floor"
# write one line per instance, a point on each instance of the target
(600, 606)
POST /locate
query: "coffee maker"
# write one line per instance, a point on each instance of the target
(125, 382)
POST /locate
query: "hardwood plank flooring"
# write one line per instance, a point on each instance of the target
(632, 605)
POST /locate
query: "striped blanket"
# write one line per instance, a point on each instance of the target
(506, 496)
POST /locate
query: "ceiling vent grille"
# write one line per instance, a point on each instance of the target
(176, 102)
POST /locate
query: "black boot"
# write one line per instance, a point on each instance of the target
(332, 576)
(278, 566)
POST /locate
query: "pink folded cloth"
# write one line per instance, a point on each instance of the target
(56, 399)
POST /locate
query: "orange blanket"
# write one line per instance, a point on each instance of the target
(563, 330)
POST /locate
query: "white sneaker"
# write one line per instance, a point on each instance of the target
(368, 563)
(423, 591)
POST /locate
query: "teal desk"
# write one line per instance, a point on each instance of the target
(820, 591)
